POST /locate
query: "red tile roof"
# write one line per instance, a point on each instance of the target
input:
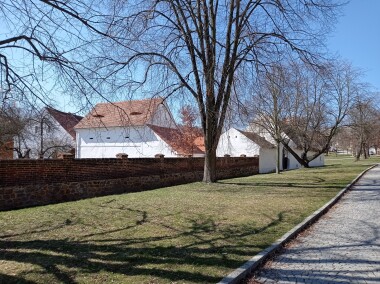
(176, 140)
(200, 143)
(126, 113)
(65, 119)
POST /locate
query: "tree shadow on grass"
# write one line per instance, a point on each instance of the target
(313, 184)
(10, 279)
(66, 260)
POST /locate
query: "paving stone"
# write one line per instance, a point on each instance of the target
(342, 247)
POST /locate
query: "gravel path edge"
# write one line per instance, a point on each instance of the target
(259, 259)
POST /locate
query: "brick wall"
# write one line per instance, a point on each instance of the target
(25, 183)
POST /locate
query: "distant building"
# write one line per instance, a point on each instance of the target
(235, 143)
(138, 128)
(47, 134)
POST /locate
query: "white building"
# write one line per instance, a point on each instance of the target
(235, 143)
(47, 134)
(139, 128)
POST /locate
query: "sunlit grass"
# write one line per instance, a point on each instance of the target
(193, 233)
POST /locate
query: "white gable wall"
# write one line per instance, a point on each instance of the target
(292, 162)
(267, 160)
(234, 143)
(318, 162)
(162, 117)
(136, 142)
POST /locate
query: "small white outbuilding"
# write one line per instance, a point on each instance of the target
(235, 143)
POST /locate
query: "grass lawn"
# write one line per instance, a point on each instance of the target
(193, 233)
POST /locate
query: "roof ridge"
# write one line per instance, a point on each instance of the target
(126, 101)
(123, 113)
(258, 139)
(49, 108)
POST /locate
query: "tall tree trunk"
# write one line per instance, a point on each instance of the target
(358, 152)
(278, 157)
(365, 150)
(361, 147)
(209, 173)
(40, 154)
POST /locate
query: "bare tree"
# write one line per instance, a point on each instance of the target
(364, 122)
(323, 101)
(302, 106)
(12, 123)
(45, 46)
(199, 48)
(343, 140)
(270, 106)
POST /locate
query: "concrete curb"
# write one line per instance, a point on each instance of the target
(260, 258)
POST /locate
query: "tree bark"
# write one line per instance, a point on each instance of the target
(209, 173)
(278, 157)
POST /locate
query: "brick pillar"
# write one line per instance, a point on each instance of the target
(122, 156)
(160, 156)
(67, 156)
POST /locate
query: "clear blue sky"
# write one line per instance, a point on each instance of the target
(357, 38)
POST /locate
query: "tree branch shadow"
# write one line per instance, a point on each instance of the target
(62, 260)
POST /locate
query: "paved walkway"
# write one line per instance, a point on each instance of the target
(342, 247)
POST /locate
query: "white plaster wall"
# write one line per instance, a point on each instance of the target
(234, 143)
(137, 142)
(318, 162)
(163, 117)
(267, 161)
(293, 163)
